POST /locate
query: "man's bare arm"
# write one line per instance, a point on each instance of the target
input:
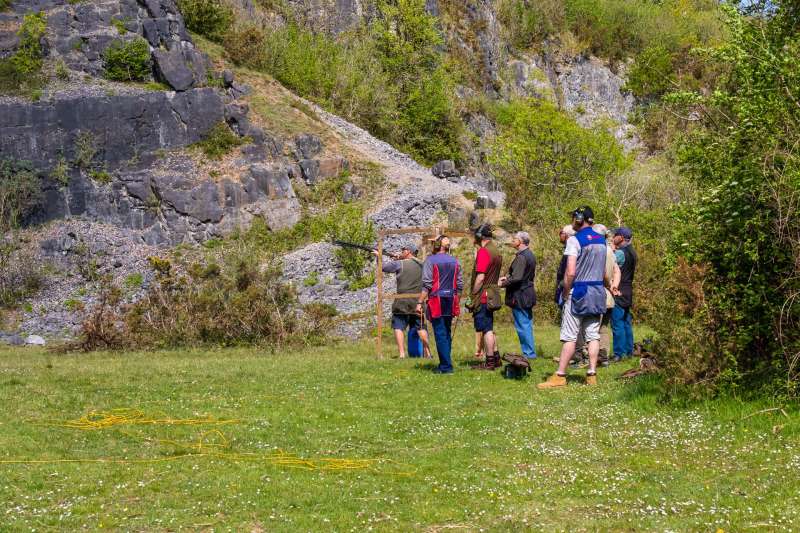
(478, 283)
(569, 275)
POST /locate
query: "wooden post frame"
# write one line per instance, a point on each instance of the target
(436, 231)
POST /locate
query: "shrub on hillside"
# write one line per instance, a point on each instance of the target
(20, 193)
(210, 18)
(20, 74)
(205, 304)
(127, 60)
(219, 141)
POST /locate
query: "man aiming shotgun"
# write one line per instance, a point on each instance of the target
(408, 271)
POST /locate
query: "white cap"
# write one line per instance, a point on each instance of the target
(569, 230)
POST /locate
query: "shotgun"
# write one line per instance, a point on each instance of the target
(370, 249)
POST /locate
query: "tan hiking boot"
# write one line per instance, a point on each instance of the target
(553, 382)
(591, 379)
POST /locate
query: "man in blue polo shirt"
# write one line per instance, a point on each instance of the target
(584, 296)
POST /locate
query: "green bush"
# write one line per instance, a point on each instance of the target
(20, 193)
(20, 74)
(5, 4)
(210, 18)
(219, 141)
(127, 60)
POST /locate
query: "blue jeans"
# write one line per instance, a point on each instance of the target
(523, 323)
(444, 340)
(622, 327)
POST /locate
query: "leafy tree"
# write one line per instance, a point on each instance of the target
(544, 159)
(409, 44)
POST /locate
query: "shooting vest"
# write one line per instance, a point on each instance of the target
(443, 298)
(628, 269)
(490, 279)
(588, 293)
(409, 281)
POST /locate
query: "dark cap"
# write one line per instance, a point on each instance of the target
(625, 233)
(584, 214)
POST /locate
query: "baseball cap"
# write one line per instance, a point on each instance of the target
(569, 230)
(410, 247)
(625, 233)
(585, 212)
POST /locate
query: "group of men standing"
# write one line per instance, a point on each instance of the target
(594, 289)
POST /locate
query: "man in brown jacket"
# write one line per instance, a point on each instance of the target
(485, 294)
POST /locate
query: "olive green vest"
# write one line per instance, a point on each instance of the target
(409, 281)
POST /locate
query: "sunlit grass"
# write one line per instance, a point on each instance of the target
(470, 450)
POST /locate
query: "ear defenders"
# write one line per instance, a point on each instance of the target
(484, 231)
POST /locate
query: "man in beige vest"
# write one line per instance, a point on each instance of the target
(408, 270)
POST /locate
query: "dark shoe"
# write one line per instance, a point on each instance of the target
(440, 371)
(617, 359)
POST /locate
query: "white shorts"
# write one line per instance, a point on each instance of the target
(572, 325)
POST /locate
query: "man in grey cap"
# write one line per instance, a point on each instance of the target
(408, 270)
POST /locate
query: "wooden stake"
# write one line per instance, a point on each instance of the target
(379, 283)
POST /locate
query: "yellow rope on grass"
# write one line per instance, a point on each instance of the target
(210, 444)
(131, 417)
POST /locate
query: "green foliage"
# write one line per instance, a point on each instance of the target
(20, 74)
(389, 78)
(5, 4)
(62, 71)
(614, 29)
(312, 279)
(20, 193)
(210, 18)
(28, 57)
(73, 304)
(85, 150)
(219, 141)
(652, 74)
(134, 281)
(119, 24)
(529, 23)
(101, 176)
(233, 303)
(60, 172)
(741, 230)
(127, 60)
(544, 159)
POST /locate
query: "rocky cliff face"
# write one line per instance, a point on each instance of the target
(116, 153)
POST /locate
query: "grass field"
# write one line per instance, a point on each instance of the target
(470, 451)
